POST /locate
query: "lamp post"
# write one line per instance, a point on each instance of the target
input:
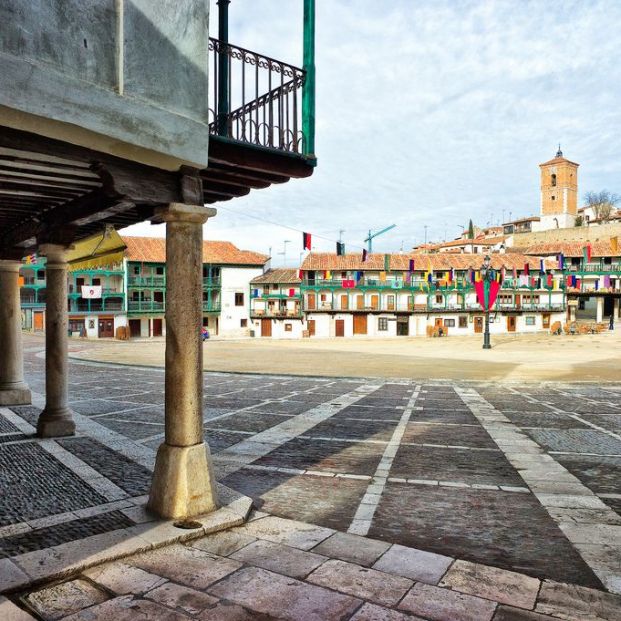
(487, 276)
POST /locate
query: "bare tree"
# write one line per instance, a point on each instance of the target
(603, 203)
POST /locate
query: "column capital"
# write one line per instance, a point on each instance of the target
(55, 253)
(10, 265)
(180, 212)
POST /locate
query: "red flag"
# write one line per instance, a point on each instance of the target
(291, 293)
(364, 255)
(526, 269)
(306, 238)
(300, 274)
(550, 281)
(588, 252)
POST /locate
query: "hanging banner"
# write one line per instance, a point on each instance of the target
(487, 292)
(91, 293)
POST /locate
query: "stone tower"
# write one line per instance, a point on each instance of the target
(559, 192)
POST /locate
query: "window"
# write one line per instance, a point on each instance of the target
(324, 297)
(41, 275)
(243, 323)
(439, 299)
(530, 321)
(463, 321)
(553, 197)
(449, 323)
(239, 299)
(96, 282)
(288, 327)
(136, 269)
(382, 324)
(553, 181)
(159, 270)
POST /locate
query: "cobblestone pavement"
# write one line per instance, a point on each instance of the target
(523, 477)
(277, 569)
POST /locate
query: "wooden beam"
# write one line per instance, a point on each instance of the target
(235, 180)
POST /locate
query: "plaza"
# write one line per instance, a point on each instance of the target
(423, 476)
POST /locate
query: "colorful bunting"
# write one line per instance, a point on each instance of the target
(365, 254)
(561, 261)
(411, 265)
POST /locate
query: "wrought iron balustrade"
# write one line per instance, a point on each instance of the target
(262, 101)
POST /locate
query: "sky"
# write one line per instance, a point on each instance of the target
(429, 113)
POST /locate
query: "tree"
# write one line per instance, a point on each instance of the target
(470, 230)
(579, 221)
(602, 203)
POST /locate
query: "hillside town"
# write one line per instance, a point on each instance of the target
(558, 272)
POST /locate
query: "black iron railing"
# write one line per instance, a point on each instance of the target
(261, 103)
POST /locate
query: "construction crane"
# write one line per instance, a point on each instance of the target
(371, 236)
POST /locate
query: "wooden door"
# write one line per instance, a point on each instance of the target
(438, 322)
(266, 327)
(546, 320)
(311, 327)
(134, 327)
(518, 300)
(157, 327)
(403, 328)
(360, 302)
(375, 302)
(38, 321)
(106, 327)
(344, 302)
(360, 324)
(511, 323)
(340, 327)
(311, 301)
(478, 325)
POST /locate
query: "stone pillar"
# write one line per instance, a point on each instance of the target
(13, 388)
(56, 419)
(183, 484)
(600, 309)
(615, 309)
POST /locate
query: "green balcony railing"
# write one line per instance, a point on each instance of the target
(145, 306)
(146, 281)
(211, 307)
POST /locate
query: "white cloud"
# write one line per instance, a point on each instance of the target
(430, 112)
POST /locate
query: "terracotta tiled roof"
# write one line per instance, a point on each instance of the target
(422, 262)
(558, 160)
(599, 248)
(479, 241)
(277, 277)
(153, 249)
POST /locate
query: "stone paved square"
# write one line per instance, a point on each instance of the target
(331, 466)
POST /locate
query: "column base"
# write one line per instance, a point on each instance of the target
(55, 424)
(15, 396)
(183, 483)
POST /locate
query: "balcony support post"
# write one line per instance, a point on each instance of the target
(56, 418)
(13, 388)
(183, 483)
(223, 68)
(308, 93)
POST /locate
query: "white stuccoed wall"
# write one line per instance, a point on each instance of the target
(236, 280)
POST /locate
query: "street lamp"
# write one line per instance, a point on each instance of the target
(487, 275)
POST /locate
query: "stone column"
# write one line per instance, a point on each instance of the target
(56, 419)
(600, 309)
(13, 388)
(615, 309)
(183, 484)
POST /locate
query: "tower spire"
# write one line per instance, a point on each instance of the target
(559, 153)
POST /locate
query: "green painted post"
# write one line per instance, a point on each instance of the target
(308, 92)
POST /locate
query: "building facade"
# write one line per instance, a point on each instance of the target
(276, 304)
(386, 296)
(592, 273)
(132, 292)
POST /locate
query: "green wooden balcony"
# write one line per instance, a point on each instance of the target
(154, 282)
(145, 306)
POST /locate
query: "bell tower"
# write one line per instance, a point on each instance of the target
(559, 192)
